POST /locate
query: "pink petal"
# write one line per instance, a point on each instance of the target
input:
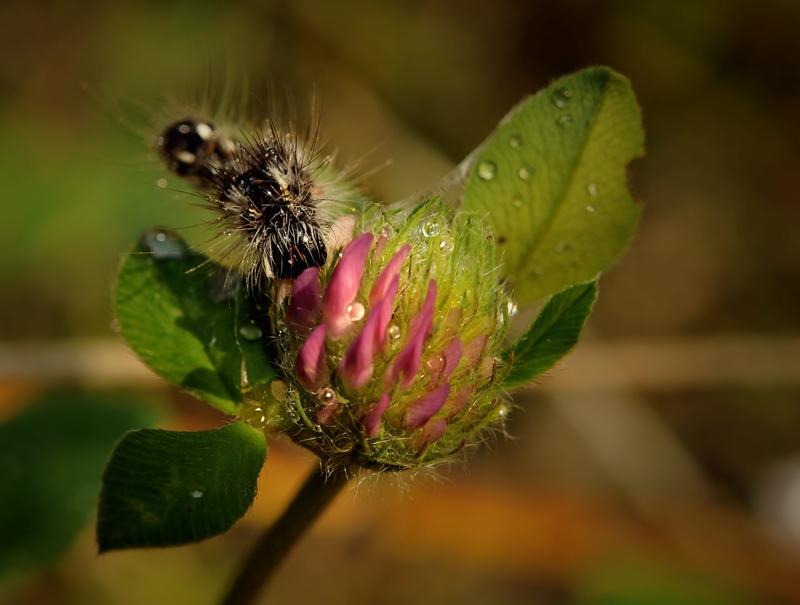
(407, 361)
(473, 350)
(452, 355)
(383, 311)
(325, 414)
(432, 432)
(356, 366)
(305, 304)
(426, 406)
(372, 419)
(344, 286)
(456, 402)
(387, 276)
(311, 368)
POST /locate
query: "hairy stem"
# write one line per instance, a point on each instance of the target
(317, 493)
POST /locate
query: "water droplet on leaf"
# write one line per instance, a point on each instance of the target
(250, 331)
(565, 121)
(525, 172)
(562, 97)
(515, 142)
(164, 245)
(395, 332)
(486, 170)
(592, 190)
(589, 208)
(197, 494)
(517, 200)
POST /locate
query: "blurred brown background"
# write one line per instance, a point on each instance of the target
(659, 464)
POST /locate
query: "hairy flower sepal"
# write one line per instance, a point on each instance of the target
(392, 352)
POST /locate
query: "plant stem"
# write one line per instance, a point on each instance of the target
(317, 493)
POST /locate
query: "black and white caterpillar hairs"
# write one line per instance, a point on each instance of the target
(265, 188)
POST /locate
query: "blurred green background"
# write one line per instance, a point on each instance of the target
(660, 465)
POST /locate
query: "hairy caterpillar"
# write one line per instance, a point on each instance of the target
(272, 190)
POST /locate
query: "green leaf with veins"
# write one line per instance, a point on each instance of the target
(164, 488)
(176, 310)
(556, 329)
(552, 181)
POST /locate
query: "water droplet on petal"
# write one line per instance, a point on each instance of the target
(592, 189)
(589, 208)
(249, 330)
(525, 172)
(356, 311)
(562, 97)
(197, 494)
(430, 228)
(486, 170)
(435, 363)
(395, 332)
(565, 121)
(515, 142)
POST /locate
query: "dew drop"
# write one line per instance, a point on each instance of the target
(592, 189)
(517, 200)
(161, 183)
(589, 208)
(435, 363)
(228, 232)
(562, 247)
(539, 270)
(430, 228)
(515, 142)
(164, 245)
(249, 330)
(356, 311)
(525, 172)
(565, 121)
(512, 308)
(327, 396)
(486, 170)
(255, 417)
(562, 97)
(395, 332)
(446, 245)
(197, 494)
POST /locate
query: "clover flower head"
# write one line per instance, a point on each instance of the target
(391, 351)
